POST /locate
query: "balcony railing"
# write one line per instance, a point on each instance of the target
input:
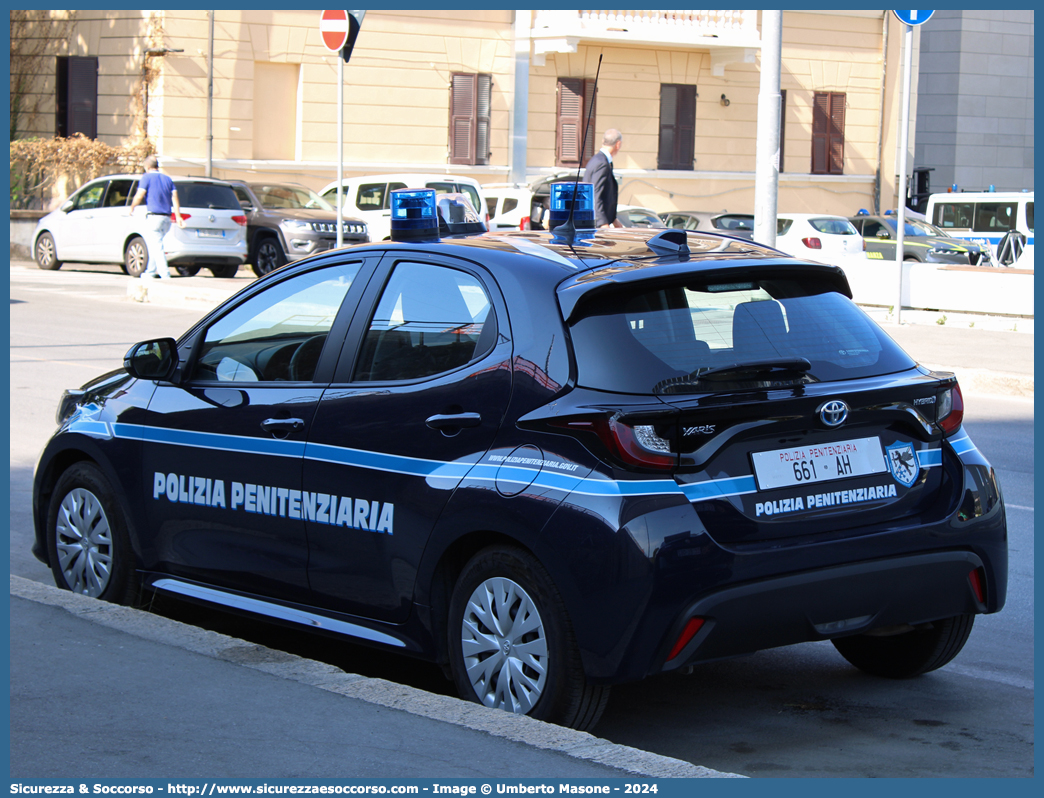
(716, 30)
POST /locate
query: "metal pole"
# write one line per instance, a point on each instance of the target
(904, 136)
(766, 173)
(520, 104)
(210, 98)
(340, 147)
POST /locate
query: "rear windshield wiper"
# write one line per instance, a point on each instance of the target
(737, 372)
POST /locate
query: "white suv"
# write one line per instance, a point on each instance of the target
(369, 197)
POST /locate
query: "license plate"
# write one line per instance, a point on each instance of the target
(785, 468)
(204, 232)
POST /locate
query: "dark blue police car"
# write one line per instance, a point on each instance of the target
(549, 462)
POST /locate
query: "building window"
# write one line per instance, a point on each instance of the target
(677, 127)
(76, 101)
(470, 99)
(576, 102)
(828, 133)
(782, 127)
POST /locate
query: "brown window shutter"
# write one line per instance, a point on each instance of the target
(677, 144)
(837, 134)
(576, 99)
(463, 92)
(828, 133)
(482, 113)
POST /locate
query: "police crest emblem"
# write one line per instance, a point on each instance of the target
(902, 462)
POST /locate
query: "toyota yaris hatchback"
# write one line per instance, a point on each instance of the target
(549, 464)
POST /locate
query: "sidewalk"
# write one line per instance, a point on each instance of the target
(151, 697)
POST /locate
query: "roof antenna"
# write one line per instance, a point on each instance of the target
(567, 230)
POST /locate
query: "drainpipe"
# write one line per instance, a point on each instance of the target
(881, 121)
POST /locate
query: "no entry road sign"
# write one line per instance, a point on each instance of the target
(334, 28)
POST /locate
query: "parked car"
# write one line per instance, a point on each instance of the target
(287, 222)
(369, 197)
(94, 225)
(522, 206)
(635, 216)
(922, 242)
(549, 468)
(821, 237)
(734, 224)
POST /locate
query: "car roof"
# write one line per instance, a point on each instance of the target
(405, 177)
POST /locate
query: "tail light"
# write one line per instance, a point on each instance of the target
(978, 584)
(240, 220)
(812, 243)
(691, 628)
(637, 446)
(949, 411)
(524, 224)
(174, 218)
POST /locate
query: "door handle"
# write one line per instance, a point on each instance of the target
(284, 425)
(450, 424)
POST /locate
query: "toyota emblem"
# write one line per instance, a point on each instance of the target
(834, 413)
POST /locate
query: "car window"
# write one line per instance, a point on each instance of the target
(277, 334)
(510, 203)
(119, 191)
(283, 197)
(90, 197)
(370, 196)
(872, 229)
(734, 222)
(994, 217)
(206, 195)
(473, 195)
(835, 227)
(491, 205)
(783, 226)
(242, 196)
(1029, 216)
(672, 332)
(954, 215)
(430, 319)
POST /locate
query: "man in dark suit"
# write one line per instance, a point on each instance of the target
(599, 173)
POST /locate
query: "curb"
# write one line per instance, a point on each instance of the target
(517, 728)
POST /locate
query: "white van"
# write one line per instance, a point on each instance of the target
(369, 197)
(1003, 220)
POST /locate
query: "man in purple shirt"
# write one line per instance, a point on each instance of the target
(160, 196)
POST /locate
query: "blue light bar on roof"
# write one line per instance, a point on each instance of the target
(562, 198)
(413, 214)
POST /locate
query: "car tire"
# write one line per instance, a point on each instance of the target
(268, 256)
(487, 634)
(87, 541)
(136, 257)
(909, 654)
(226, 271)
(46, 254)
(187, 271)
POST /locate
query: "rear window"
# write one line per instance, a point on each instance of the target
(649, 342)
(834, 227)
(207, 195)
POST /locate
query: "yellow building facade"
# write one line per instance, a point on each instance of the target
(274, 115)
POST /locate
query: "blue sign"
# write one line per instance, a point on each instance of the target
(913, 17)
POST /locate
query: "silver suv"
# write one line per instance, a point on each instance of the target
(287, 222)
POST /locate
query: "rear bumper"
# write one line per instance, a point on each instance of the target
(827, 603)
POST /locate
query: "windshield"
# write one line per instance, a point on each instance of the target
(637, 341)
(292, 198)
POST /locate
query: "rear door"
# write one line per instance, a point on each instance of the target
(419, 395)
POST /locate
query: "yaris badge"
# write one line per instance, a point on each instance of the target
(902, 462)
(833, 414)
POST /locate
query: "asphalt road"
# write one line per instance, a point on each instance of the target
(800, 711)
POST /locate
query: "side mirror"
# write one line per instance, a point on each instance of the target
(66, 206)
(246, 206)
(152, 360)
